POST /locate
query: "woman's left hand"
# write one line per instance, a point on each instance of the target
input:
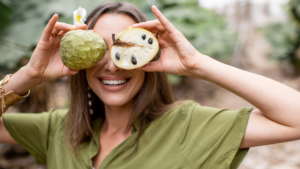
(178, 56)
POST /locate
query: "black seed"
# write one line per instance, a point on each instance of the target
(150, 41)
(144, 37)
(117, 56)
(133, 60)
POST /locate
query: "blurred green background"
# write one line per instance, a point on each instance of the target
(243, 33)
(22, 23)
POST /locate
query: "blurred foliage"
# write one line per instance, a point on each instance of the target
(5, 11)
(207, 31)
(285, 37)
(174, 79)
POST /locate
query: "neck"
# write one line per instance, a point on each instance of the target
(117, 118)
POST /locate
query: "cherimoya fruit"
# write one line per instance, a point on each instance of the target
(81, 49)
(133, 48)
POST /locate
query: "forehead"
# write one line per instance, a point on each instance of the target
(108, 24)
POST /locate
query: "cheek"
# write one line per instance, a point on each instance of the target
(103, 61)
(140, 80)
(89, 76)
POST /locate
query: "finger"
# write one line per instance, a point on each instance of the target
(81, 26)
(64, 29)
(55, 32)
(152, 67)
(148, 24)
(62, 33)
(162, 43)
(163, 20)
(63, 26)
(157, 29)
(68, 72)
(49, 27)
(153, 26)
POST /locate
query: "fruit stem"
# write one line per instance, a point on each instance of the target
(113, 39)
(120, 43)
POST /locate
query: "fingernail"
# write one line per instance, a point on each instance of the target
(154, 6)
(72, 27)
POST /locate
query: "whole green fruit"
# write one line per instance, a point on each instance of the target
(81, 49)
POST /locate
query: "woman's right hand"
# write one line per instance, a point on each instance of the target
(45, 63)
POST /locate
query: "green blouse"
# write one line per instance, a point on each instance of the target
(188, 136)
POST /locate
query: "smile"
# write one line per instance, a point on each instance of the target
(114, 82)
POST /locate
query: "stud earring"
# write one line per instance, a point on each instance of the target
(90, 100)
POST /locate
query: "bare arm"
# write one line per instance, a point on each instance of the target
(263, 131)
(4, 135)
(278, 115)
(277, 119)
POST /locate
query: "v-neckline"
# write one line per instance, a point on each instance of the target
(97, 125)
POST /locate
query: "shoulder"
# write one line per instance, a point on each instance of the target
(192, 113)
(187, 108)
(44, 117)
(57, 117)
(176, 114)
(58, 113)
(181, 107)
(192, 108)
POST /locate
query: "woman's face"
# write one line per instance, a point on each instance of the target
(113, 85)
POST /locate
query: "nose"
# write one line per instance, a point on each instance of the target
(110, 66)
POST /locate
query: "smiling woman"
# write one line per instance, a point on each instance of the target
(128, 119)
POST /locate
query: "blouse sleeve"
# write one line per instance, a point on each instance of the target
(31, 131)
(211, 137)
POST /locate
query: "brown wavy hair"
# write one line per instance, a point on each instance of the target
(153, 100)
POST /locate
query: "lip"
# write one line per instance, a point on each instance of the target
(114, 88)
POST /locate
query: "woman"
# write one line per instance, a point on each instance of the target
(137, 124)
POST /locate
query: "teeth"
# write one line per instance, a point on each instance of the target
(114, 82)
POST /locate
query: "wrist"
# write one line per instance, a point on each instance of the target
(32, 75)
(22, 81)
(203, 68)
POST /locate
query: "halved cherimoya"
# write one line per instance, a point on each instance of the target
(133, 48)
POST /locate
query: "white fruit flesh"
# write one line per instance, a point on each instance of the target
(143, 47)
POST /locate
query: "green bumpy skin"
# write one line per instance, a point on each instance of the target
(81, 49)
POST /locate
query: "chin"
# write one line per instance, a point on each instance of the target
(116, 101)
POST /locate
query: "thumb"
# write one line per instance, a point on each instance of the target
(68, 72)
(152, 67)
